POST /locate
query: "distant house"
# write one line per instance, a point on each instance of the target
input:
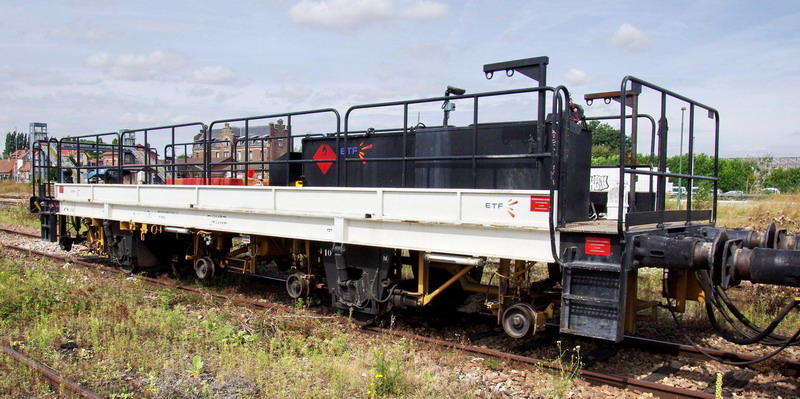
(22, 165)
(108, 158)
(24, 171)
(6, 169)
(23, 154)
(228, 145)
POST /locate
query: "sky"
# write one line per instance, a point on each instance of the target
(90, 66)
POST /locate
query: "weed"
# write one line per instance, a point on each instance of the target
(166, 299)
(134, 340)
(387, 378)
(565, 369)
(235, 338)
(493, 364)
(124, 394)
(196, 367)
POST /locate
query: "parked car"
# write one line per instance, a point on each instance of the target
(676, 189)
(770, 190)
(733, 194)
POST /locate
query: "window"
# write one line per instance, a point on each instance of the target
(250, 155)
(226, 154)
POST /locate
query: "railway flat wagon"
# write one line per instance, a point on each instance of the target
(382, 209)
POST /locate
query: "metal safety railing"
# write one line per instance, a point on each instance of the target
(661, 215)
(537, 151)
(143, 156)
(262, 144)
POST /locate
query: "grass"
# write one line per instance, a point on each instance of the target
(134, 341)
(783, 209)
(18, 214)
(14, 188)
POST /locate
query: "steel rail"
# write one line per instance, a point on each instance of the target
(786, 367)
(789, 368)
(659, 390)
(52, 375)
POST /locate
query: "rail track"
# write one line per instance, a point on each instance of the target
(787, 368)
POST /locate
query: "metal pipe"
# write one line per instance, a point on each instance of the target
(429, 297)
(468, 283)
(766, 266)
(455, 259)
(178, 230)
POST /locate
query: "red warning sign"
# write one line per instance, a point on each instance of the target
(540, 203)
(598, 246)
(324, 152)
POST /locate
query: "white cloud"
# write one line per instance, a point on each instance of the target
(81, 29)
(137, 66)
(198, 91)
(340, 14)
(145, 118)
(576, 77)
(97, 60)
(630, 38)
(215, 74)
(291, 92)
(283, 75)
(429, 50)
(426, 9)
(35, 75)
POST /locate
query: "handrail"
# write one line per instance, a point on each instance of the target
(405, 131)
(661, 174)
(288, 137)
(95, 146)
(148, 150)
(560, 118)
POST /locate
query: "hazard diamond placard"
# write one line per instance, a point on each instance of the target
(324, 152)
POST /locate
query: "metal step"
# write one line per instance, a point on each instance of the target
(593, 300)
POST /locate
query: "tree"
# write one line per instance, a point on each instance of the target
(605, 143)
(734, 174)
(15, 141)
(786, 179)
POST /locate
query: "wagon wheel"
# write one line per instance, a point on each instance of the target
(297, 286)
(204, 268)
(128, 265)
(518, 320)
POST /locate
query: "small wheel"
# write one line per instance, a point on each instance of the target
(297, 286)
(204, 268)
(65, 243)
(128, 265)
(518, 320)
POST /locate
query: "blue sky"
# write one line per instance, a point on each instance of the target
(86, 66)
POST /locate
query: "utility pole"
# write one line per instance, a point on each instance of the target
(680, 161)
